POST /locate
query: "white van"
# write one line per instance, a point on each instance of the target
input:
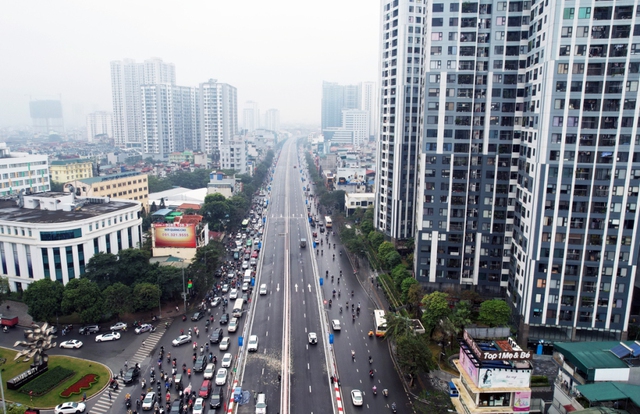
(247, 276)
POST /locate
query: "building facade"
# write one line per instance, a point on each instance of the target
(54, 235)
(20, 171)
(356, 120)
(72, 169)
(528, 180)
(124, 186)
(233, 155)
(251, 116)
(99, 123)
(272, 120)
(218, 115)
(369, 103)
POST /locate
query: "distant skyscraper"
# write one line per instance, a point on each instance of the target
(99, 123)
(369, 103)
(335, 98)
(397, 162)
(46, 116)
(169, 119)
(127, 77)
(272, 120)
(251, 116)
(218, 115)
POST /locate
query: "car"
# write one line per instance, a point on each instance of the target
(252, 345)
(245, 286)
(200, 363)
(149, 401)
(227, 359)
(335, 325)
(224, 344)
(111, 336)
(263, 289)
(356, 397)
(224, 319)
(233, 294)
(247, 256)
(225, 288)
(70, 407)
(89, 329)
(245, 265)
(236, 255)
(261, 403)
(233, 325)
(216, 336)
(205, 389)
(71, 344)
(177, 407)
(215, 302)
(253, 261)
(245, 297)
(181, 340)
(198, 407)
(131, 375)
(215, 401)
(221, 376)
(119, 326)
(313, 338)
(209, 371)
(295, 166)
(145, 327)
(197, 316)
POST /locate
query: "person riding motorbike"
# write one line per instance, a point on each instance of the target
(375, 390)
(334, 256)
(385, 392)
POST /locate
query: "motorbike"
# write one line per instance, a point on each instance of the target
(393, 408)
(371, 373)
(184, 318)
(375, 390)
(385, 392)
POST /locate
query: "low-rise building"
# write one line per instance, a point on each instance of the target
(53, 235)
(63, 171)
(193, 158)
(354, 201)
(234, 155)
(125, 186)
(22, 171)
(221, 184)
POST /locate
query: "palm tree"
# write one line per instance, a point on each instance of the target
(398, 326)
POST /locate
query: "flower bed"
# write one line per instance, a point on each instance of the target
(82, 384)
(47, 381)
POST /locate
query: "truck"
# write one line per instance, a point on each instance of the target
(238, 307)
(8, 320)
(303, 242)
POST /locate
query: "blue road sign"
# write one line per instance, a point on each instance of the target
(321, 281)
(331, 338)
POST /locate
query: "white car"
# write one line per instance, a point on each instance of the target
(70, 407)
(245, 286)
(252, 345)
(245, 265)
(209, 370)
(224, 344)
(263, 289)
(215, 302)
(335, 325)
(182, 339)
(119, 326)
(225, 288)
(71, 344)
(221, 376)
(356, 397)
(149, 400)
(233, 294)
(233, 325)
(111, 336)
(144, 328)
(313, 338)
(198, 407)
(227, 359)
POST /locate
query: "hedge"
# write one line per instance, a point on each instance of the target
(47, 381)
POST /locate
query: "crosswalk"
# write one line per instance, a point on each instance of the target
(108, 396)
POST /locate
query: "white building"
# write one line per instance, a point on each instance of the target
(357, 121)
(272, 120)
(221, 184)
(127, 76)
(20, 171)
(233, 155)
(369, 103)
(170, 119)
(251, 116)
(218, 115)
(99, 123)
(54, 235)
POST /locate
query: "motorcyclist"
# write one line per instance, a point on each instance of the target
(334, 256)
(375, 390)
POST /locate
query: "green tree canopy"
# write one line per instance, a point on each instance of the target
(43, 297)
(385, 248)
(146, 296)
(102, 269)
(414, 355)
(84, 297)
(392, 259)
(461, 315)
(436, 307)
(117, 298)
(494, 312)
(406, 286)
(375, 238)
(398, 326)
(414, 295)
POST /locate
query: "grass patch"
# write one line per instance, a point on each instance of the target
(539, 381)
(47, 381)
(80, 367)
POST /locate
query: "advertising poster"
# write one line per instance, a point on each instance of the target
(175, 236)
(522, 401)
(468, 366)
(502, 378)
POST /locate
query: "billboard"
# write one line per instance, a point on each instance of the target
(503, 378)
(175, 235)
(522, 401)
(468, 366)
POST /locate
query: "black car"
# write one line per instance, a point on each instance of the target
(224, 319)
(312, 223)
(177, 406)
(200, 364)
(215, 400)
(89, 329)
(197, 316)
(131, 375)
(216, 336)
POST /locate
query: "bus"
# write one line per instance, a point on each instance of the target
(327, 222)
(245, 223)
(379, 321)
(237, 308)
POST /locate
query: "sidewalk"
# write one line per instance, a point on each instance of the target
(18, 309)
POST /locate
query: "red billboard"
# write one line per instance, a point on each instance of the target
(175, 235)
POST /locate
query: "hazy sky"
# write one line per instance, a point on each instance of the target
(276, 52)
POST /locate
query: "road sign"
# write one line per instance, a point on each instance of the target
(240, 340)
(331, 338)
(321, 281)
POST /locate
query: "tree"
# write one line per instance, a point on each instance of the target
(133, 265)
(461, 315)
(414, 355)
(406, 285)
(436, 307)
(375, 238)
(366, 227)
(117, 298)
(84, 297)
(495, 312)
(392, 259)
(146, 296)
(5, 289)
(414, 295)
(102, 269)
(204, 264)
(43, 297)
(397, 326)
(385, 248)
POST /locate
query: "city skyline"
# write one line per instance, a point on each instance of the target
(64, 50)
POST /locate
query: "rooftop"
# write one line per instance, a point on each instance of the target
(109, 177)
(610, 391)
(592, 355)
(71, 161)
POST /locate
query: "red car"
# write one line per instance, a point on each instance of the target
(205, 389)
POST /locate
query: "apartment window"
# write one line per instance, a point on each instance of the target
(453, 22)
(632, 86)
(501, 20)
(436, 64)
(436, 50)
(569, 12)
(452, 50)
(584, 13)
(438, 7)
(566, 32)
(563, 68)
(499, 35)
(436, 36)
(501, 6)
(437, 22)
(582, 31)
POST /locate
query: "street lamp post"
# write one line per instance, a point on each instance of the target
(184, 291)
(4, 404)
(159, 300)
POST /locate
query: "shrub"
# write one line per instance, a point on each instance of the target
(77, 387)
(47, 381)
